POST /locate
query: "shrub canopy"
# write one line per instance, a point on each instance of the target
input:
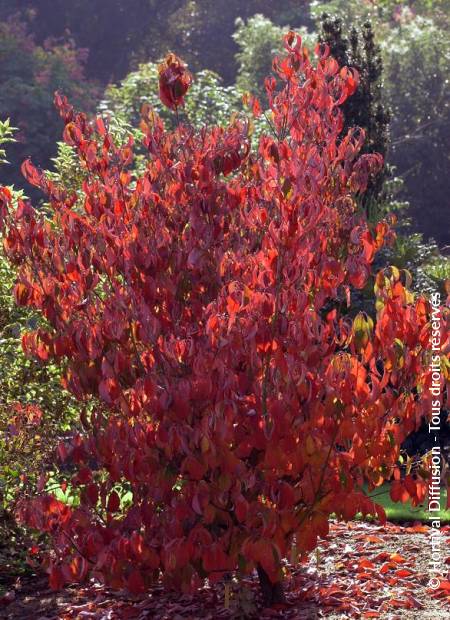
(203, 302)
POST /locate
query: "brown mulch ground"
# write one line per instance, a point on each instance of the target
(361, 571)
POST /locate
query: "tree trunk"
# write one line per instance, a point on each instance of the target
(272, 593)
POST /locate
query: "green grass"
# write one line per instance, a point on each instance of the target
(405, 512)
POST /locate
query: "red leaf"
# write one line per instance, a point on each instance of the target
(78, 568)
(241, 508)
(113, 504)
(174, 81)
(92, 493)
(365, 563)
(56, 579)
(109, 390)
(444, 585)
(135, 583)
(31, 173)
(215, 559)
(194, 468)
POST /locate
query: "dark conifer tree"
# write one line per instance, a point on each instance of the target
(366, 107)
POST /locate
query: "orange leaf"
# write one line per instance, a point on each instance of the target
(365, 563)
(444, 585)
(387, 566)
(397, 558)
(373, 539)
(403, 572)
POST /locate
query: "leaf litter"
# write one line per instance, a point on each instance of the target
(361, 570)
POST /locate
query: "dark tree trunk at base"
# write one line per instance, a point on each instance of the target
(272, 593)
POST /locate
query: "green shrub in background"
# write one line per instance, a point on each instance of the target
(259, 40)
(6, 137)
(381, 12)
(208, 102)
(26, 445)
(34, 409)
(429, 268)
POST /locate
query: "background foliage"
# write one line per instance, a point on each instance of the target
(29, 75)
(417, 87)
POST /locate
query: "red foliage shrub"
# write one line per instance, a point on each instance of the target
(208, 315)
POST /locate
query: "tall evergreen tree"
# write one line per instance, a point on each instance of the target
(366, 108)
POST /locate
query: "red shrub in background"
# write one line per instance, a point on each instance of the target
(206, 313)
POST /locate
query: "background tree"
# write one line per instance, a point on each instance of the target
(367, 108)
(30, 74)
(112, 31)
(417, 66)
(121, 33)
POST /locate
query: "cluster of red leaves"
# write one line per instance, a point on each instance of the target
(23, 416)
(205, 312)
(174, 81)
